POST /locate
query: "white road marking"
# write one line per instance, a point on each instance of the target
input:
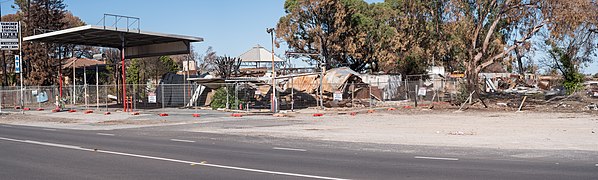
(289, 149)
(49, 129)
(46, 144)
(6, 126)
(182, 140)
(436, 158)
(105, 134)
(596, 165)
(172, 160)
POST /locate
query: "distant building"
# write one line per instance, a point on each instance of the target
(258, 57)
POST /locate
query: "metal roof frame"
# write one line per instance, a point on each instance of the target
(108, 37)
(133, 44)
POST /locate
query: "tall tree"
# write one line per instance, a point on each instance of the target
(206, 61)
(572, 41)
(419, 28)
(489, 25)
(381, 43)
(41, 16)
(322, 27)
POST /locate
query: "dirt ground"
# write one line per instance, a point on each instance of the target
(96, 121)
(566, 128)
(503, 130)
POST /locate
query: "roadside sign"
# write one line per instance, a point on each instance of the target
(421, 91)
(9, 35)
(151, 98)
(17, 64)
(338, 96)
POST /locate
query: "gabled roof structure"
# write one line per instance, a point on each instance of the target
(259, 54)
(81, 62)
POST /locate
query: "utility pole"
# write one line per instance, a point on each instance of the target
(21, 64)
(274, 102)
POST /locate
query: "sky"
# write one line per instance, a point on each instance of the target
(230, 27)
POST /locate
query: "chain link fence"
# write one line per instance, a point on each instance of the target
(246, 96)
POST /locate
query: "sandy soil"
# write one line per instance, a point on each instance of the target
(437, 127)
(79, 120)
(506, 130)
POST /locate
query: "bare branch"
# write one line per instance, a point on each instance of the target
(512, 47)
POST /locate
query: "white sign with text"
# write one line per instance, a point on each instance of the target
(9, 35)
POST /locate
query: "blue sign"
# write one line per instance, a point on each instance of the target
(17, 64)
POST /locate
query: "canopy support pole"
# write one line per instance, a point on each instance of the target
(122, 58)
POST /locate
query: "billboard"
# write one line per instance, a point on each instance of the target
(9, 35)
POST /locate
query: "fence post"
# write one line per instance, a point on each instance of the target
(134, 104)
(226, 88)
(352, 94)
(378, 82)
(406, 89)
(370, 95)
(237, 96)
(106, 92)
(97, 88)
(162, 92)
(1, 97)
(416, 94)
(184, 92)
(292, 96)
(22, 100)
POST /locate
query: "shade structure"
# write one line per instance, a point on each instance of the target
(132, 43)
(137, 44)
(259, 54)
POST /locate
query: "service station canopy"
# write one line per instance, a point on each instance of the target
(137, 44)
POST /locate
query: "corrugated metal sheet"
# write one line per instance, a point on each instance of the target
(389, 84)
(335, 79)
(307, 84)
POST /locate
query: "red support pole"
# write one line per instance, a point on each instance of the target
(60, 81)
(124, 80)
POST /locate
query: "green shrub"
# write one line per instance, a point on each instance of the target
(573, 82)
(219, 99)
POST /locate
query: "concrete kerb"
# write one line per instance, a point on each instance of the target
(194, 113)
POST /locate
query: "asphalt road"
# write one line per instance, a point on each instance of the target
(40, 153)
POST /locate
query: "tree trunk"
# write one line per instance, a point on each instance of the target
(520, 63)
(472, 77)
(4, 71)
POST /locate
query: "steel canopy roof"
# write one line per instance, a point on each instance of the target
(108, 37)
(111, 37)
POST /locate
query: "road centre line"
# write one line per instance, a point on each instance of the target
(436, 158)
(182, 140)
(105, 134)
(171, 160)
(289, 149)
